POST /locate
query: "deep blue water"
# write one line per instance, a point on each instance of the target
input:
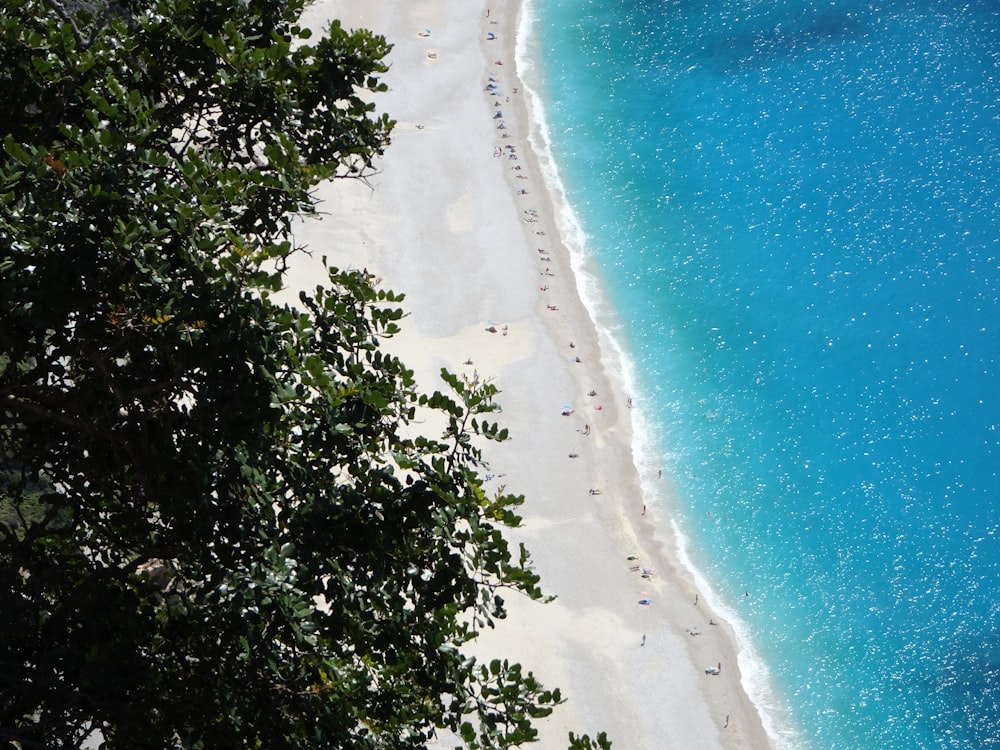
(794, 208)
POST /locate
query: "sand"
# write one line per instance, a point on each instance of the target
(446, 223)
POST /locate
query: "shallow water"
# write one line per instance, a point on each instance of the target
(793, 208)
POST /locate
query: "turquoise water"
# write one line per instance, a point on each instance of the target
(794, 208)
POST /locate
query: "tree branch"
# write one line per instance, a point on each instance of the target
(60, 11)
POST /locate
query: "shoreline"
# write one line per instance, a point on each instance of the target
(445, 223)
(655, 487)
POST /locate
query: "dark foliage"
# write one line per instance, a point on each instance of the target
(218, 526)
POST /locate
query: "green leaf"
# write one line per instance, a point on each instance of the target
(15, 150)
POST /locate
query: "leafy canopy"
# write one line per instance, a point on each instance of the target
(219, 526)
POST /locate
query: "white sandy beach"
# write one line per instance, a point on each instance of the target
(445, 223)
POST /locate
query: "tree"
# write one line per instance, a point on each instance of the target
(218, 524)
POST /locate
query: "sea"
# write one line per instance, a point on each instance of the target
(785, 218)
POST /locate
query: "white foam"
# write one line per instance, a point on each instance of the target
(755, 675)
(613, 356)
